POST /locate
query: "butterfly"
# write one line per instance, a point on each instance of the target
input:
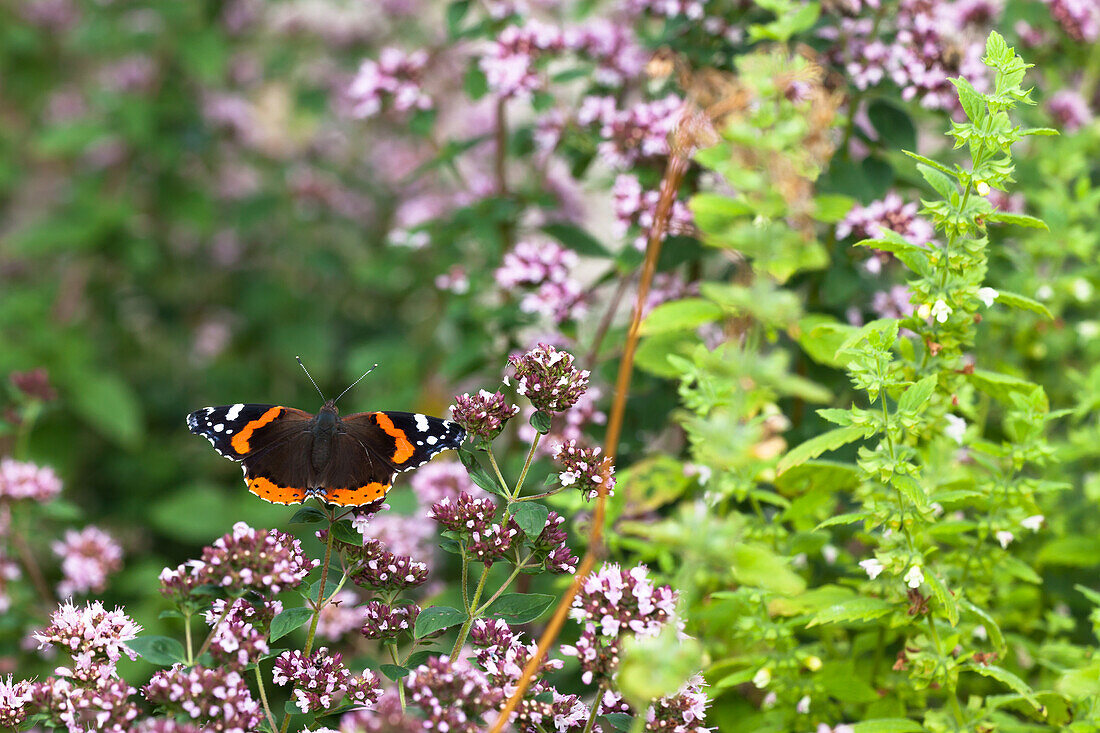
(289, 455)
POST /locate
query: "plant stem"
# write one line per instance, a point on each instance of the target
(595, 709)
(210, 637)
(543, 495)
(187, 637)
(465, 630)
(26, 557)
(952, 696)
(263, 698)
(392, 646)
(465, 580)
(504, 586)
(496, 468)
(526, 465)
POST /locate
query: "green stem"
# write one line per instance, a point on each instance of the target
(876, 660)
(465, 630)
(496, 468)
(595, 710)
(952, 696)
(263, 698)
(465, 581)
(210, 637)
(543, 495)
(392, 646)
(526, 465)
(187, 637)
(504, 586)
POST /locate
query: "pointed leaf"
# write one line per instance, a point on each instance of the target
(437, 618)
(160, 650)
(915, 399)
(943, 595)
(308, 515)
(1007, 678)
(521, 608)
(1014, 300)
(992, 629)
(288, 620)
(819, 444)
(857, 609)
(530, 516)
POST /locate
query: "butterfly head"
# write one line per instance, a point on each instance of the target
(328, 415)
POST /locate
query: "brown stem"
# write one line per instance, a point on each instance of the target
(605, 322)
(674, 173)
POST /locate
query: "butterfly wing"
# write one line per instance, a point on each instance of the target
(374, 446)
(250, 433)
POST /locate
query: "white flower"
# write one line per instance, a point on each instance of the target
(982, 188)
(762, 677)
(980, 633)
(1082, 289)
(914, 577)
(830, 553)
(873, 567)
(987, 296)
(803, 706)
(769, 701)
(1033, 522)
(1044, 292)
(1004, 537)
(941, 310)
(1088, 330)
(956, 428)
(937, 508)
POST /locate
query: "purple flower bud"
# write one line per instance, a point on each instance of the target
(388, 622)
(321, 681)
(584, 469)
(217, 697)
(483, 415)
(548, 378)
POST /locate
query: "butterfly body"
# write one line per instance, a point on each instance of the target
(289, 455)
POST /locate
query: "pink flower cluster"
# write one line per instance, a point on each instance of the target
(392, 83)
(510, 64)
(94, 637)
(452, 695)
(241, 637)
(545, 266)
(266, 561)
(217, 697)
(547, 377)
(483, 415)
(388, 622)
(569, 425)
(87, 557)
(321, 681)
(1080, 19)
(21, 480)
(631, 134)
(583, 468)
(683, 712)
(636, 208)
(474, 519)
(890, 212)
(613, 46)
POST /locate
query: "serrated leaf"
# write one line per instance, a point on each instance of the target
(437, 618)
(531, 517)
(1007, 678)
(912, 490)
(943, 595)
(1015, 300)
(836, 416)
(992, 629)
(944, 185)
(849, 518)
(888, 725)
(521, 608)
(394, 671)
(819, 444)
(973, 102)
(929, 162)
(541, 421)
(288, 620)
(1001, 387)
(308, 515)
(686, 314)
(163, 651)
(1020, 220)
(915, 398)
(855, 610)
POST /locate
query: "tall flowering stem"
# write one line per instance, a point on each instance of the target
(677, 166)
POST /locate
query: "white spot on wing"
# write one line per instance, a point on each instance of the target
(218, 428)
(432, 440)
(421, 422)
(234, 411)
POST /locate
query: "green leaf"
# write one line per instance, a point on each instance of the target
(344, 532)
(929, 162)
(1020, 220)
(888, 725)
(759, 567)
(943, 595)
(437, 618)
(819, 444)
(170, 613)
(394, 671)
(991, 627)
(109, 405)
(576, 239)
(893, 125)
(475, 83)
(831, 208)
(912, 490)
(1005, 677)
(530, 516)
(163, 651)
(1014, 300)
(944, 185)
(308, 515)
(821, 337)
(855, 610)
(541, 421)
(680, 315)
(973, 103)
(520, 608)
(456, 11)
(288, 620)
(914, 256)
(1001, 387)
(915, 399)
(619, 721)
(1019, 569)
(848, 518)
(1074, 551)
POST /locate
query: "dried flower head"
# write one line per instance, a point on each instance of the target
(547, 377)
(34, 384)
(483, 415)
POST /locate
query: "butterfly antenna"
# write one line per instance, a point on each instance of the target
(310, 377)
(357, 381)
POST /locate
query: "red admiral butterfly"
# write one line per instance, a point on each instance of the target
(289, 455)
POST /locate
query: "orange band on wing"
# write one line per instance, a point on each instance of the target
(368, 494)
(240, 440)
(403, 449)
(274, 493)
